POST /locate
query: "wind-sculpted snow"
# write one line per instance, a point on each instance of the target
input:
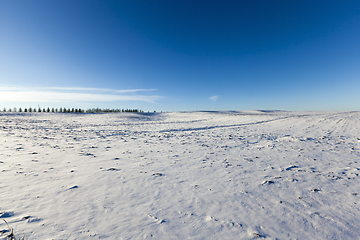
(190, 175)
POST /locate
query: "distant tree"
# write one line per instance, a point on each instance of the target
(52, 110)
(30, 110)
(9, 110)
(60, 110)
(34, 110)
(4, 110)
(20, 109)
(56, 110)
(15, 109)
(25, 110)
(39, 110)
(72, 110)
(48, 109)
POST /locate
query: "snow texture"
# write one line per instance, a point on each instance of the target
(188, 175)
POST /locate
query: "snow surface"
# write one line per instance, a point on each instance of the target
(188, 175)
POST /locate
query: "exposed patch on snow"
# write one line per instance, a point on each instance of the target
(190, 175)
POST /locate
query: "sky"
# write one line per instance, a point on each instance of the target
(181, 55)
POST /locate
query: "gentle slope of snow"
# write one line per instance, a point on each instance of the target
(191, 175)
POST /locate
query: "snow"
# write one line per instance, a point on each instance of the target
(186, 175)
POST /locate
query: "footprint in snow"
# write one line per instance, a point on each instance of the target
(223, 223)
(292, 180)
(267, 182)
(73, 187)
(6, 214)
(112, 169)
(158, 174)
(291, 167)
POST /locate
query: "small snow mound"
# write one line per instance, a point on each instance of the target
(255, 233)
(208, 218)
(156, 220)
(35, 219)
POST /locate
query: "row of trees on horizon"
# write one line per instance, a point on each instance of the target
(71, 110)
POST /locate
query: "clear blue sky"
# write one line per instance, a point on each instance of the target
(181, 55)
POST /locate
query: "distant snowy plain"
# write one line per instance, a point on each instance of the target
(187, 175)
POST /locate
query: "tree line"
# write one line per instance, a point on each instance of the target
(71, 110)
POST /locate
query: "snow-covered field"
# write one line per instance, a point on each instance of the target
(190, 175)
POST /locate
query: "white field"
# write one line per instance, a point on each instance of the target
(190, 175)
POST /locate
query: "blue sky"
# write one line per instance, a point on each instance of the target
(180, 55)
